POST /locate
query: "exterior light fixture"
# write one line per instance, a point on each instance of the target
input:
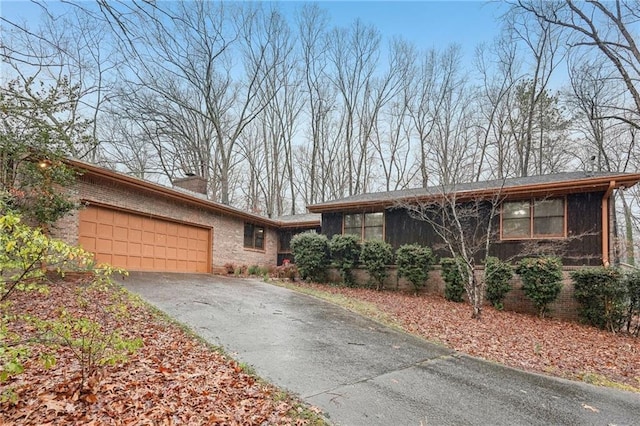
(45, 163)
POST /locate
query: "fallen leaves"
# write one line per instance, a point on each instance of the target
(548, 346)
(173, 379)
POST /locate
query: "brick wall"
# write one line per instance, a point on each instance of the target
(565, 307)
(228, 232)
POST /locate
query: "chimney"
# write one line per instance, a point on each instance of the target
(192, 183)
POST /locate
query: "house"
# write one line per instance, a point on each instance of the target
(573, 209)
(143, 226)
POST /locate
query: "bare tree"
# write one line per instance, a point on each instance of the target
(466, 227)
(542, 41)
(354, 54)
(497, 65)
(604, 27)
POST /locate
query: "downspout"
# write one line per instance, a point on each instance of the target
(605, 223)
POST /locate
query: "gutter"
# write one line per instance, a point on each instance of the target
(531, 190)
(605, 223)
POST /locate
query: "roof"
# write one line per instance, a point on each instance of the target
(193, 198)
(299, 220)
(541, 185)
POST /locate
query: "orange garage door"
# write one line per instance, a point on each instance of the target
(141, 243)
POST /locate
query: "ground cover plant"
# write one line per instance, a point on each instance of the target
(543, 345)
(173, 378)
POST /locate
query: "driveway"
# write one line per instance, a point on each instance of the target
(362, 373)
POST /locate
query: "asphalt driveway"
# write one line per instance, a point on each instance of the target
(362, 373)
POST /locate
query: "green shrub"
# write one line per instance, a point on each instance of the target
(345, 253)
(601, 294)
(455, 273)
(23, 252)
(497, 276)
(376, 255)
(311, 253)
(632, 281)
(253, 270)
(414, 263)
(541, 281)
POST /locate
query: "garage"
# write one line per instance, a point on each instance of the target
(142, 243)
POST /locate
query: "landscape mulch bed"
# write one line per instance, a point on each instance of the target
(550, 346)
(172, 379)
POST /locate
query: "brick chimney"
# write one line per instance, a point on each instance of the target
(192, 183)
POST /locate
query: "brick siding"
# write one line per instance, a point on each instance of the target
(565, 307)
(228, 231)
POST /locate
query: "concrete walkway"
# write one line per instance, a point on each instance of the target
(362, 373)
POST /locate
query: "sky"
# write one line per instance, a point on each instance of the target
(429, 24)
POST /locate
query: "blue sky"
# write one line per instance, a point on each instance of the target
(427, 23)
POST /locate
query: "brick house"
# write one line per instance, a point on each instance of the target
(142, 226)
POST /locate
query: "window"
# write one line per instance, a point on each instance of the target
(253, 236)
(533, 219)
(367, 226)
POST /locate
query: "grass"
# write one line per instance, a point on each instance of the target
(366, 309)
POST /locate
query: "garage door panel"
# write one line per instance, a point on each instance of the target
(148, 237)
(120, 247)
(104, 245)
(144, 243)
(135, 222)
(172, 229)
(105, 231)
(134, 262)
(147, 250)
(134, 249)
(135, 235)
(120, 233)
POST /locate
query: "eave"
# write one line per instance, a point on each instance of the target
(91, 170)
(593, 184)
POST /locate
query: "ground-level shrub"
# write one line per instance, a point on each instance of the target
(632, 281)
(311, 251)
(375, 256)
(454, 274)
(285, 271)
(414, 263)
(541, 281)
(345, 254)
(497, 276)
(602, 296)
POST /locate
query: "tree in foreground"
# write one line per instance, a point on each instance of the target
(39, 128)
(465, 228)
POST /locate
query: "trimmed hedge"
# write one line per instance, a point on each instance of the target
(454, 274)
(311, 253)
(375, 257)
(414, 263)
(497, 276)
(541, 281)
(345, 254)
(601, 294)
